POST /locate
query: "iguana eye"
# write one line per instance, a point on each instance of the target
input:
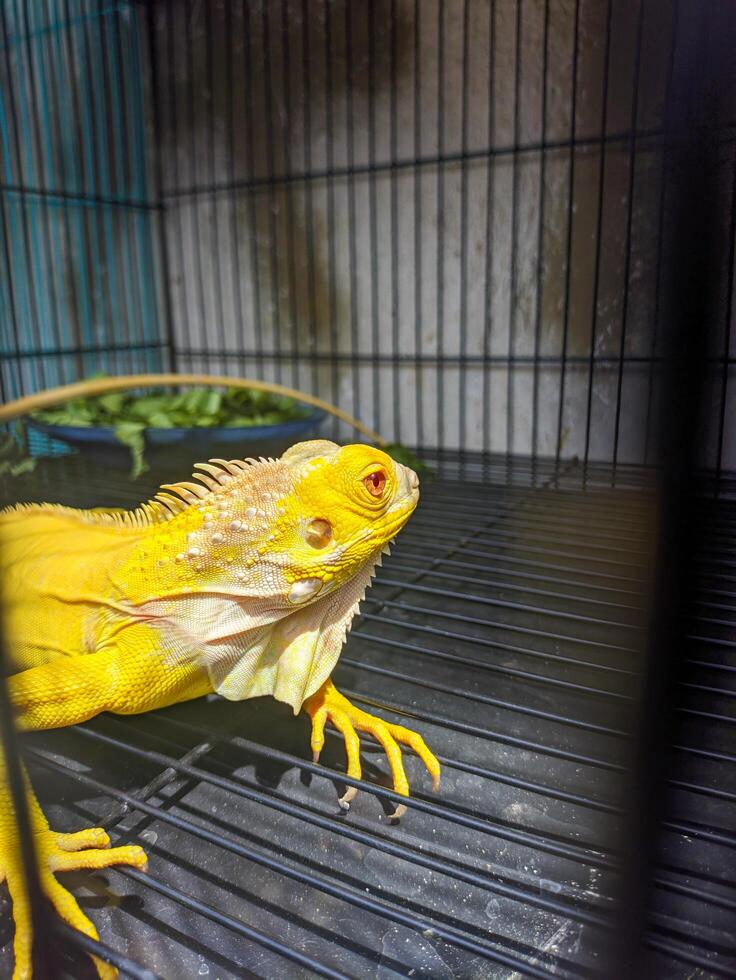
(319, 533)
(375, 483)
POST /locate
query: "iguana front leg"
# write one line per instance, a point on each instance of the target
(55, 852)
(327, 704)
(64, 692)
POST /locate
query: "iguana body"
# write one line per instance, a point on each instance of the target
(245, 583)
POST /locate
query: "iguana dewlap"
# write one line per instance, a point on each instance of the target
(244, 583)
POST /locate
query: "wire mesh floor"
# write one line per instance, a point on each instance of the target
(508, 628)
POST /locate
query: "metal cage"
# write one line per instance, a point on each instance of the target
(501, 232)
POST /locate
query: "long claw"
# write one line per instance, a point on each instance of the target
(398, 812)
(348, 796)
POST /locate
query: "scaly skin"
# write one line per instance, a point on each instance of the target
(245, 585)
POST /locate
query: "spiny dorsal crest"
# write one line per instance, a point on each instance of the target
(218, 478)
(215, 477)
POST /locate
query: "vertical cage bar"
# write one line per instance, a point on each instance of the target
(394, 250)
(45, 267)
(195, 230)
(289, 164)
(511, 364)
(275, 318)
(92, 142)
(661, 214)
(27, 172)
(373, 217)
(121, 140)
(68, 318)
(36, 369)
(251, 170)
(12, 386)
(309, 195)
(98, 100)
(216, 266)
(418, 372)
(10, 370)
(136, 219)
(727, 328)
(233, 209)
(108, 93)
(540, 236)
(157, 150)
(352, 221)
(331, 226)
(440, 294)
(184, 320)
(98, 97)
(154, 332)
(598, 239)
(21, 301)
(490, 207)
(464, 284)
(569, 229)
(634, 115)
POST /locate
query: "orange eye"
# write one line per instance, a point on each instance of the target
(375, 483)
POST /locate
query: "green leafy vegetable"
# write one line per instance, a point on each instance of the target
(112, 403)
(130, 415)
(13, 460)
(131, 435)
(195, 407)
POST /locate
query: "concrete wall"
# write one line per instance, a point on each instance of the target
(307, 246)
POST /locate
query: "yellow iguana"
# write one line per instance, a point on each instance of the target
(244, 583)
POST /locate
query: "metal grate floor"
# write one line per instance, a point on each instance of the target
(508, 628)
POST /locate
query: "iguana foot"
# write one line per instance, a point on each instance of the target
(88, 848)
(328, 704)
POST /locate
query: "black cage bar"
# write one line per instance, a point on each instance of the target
(502, 233)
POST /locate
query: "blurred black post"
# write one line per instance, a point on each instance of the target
(703, 77)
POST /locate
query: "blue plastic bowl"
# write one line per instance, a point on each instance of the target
(196, 444)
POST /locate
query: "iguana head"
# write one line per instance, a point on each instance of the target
(287, 527)
(259, 571)
(346, 505)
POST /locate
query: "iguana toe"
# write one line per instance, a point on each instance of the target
(328, 704)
